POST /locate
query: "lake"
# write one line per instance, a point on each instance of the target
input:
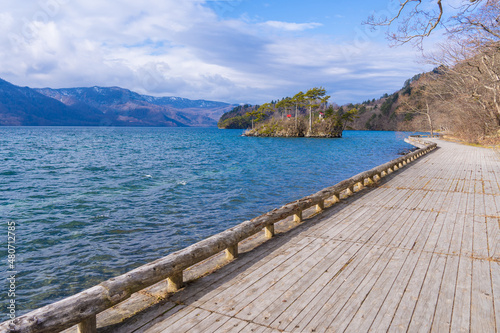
(92, 203)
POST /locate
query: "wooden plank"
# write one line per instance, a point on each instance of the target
(444, 308)
(244, 266)
(490, 205)
(482, 307)
(416, 224)
(276, 291)
(240, 294)
(245, 279)
(480, 238)
(233, 325)
(350, 226)
(456, 241)
(422, 317)
(240, 298)
(308, 286)
(495, 282)
(389, 233)
(352, 305)
(339, 225)
(435, 233)
(445, 239)
(373, 229)
(408, 230)
(404, 312)
(468, 236)
(390, 305)
(254, 328)
(212, 323)
(130, 317)
(270, 330)
(493, 229)
(374, 300)
(336, 293)
(180, 322)
(304, 303)
(349, 219)
(418, 241)
(460, 321)
(147, 320)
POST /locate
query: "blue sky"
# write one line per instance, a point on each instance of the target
(238, 51)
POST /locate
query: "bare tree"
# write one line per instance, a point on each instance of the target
(480, 27)
(466, 95)
(423, 100)
(417, 19)
(468, 81)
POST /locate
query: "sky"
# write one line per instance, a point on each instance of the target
(236, 51)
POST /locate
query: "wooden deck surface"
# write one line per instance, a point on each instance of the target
(420, 252)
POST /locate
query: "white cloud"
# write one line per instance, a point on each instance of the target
(291, 26)
(184, 49)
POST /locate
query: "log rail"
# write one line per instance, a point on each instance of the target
(81, 309)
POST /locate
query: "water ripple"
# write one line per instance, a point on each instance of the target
(92, 203)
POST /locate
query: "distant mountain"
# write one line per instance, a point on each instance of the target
(98, 106)
(22, 106)
(131, 108)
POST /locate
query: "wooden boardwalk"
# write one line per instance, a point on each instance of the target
(419, 252)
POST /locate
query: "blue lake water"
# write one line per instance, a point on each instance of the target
(93, 203)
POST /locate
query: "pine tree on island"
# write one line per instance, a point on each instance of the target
(313, 117)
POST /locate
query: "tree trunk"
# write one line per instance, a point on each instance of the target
(310, 120)
(429, 118)
(296, 119)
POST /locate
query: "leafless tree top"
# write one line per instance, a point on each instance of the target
(417, 19)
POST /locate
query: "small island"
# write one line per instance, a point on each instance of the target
(303, 115)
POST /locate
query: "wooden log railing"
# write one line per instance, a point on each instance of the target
(81, 309)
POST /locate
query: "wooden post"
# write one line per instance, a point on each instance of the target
(269, 231)
(232, 252)
(89, 325)
(350, 190)
(320, 206)
(174, 282)
(298, 217)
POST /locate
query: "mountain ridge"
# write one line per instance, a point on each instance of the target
(102, 106)
(176, 102)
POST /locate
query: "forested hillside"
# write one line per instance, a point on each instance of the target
(376, 114)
